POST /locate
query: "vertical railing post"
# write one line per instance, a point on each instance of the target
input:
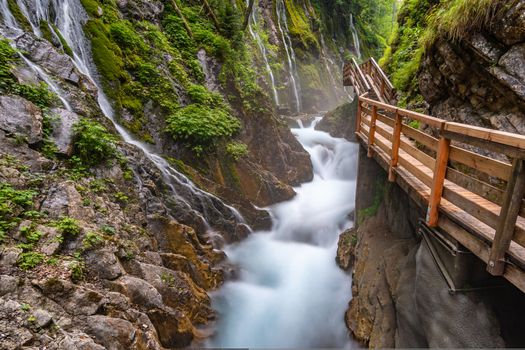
(507, 219)
(440, 171)
(358, 115)
(372, 134)
(396, 142)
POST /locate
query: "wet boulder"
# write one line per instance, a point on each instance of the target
(63, 130)
(18, 116)
(43, 53)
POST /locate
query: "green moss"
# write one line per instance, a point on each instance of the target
(67, 50)
(91, 7)
(299, 26)
(46, 31)
(19, 16)
(106, 54)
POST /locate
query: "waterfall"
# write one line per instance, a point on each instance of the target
(282, 22)
(264, 52)
(355, 37)
(69, 17)
(290, 292)
(7, 16)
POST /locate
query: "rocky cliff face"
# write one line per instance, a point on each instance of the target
(480, 80)
(463, 64)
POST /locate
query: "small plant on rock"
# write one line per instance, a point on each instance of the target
(68, 226)
(93, 143)
(29, 260)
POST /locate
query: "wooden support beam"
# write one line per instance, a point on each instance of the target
(371, 137)
(507, 220)
(358, 116)
(395, 147)
(440, 171)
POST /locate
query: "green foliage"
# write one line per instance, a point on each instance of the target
(93, 143)
(31, 235)
(18, 15)
(91, 240)
(455, 19)
(126, 37)
(237, 150)
(67, 50)
(106, 54)
(29, 260)
(68, 226)
(13, 204)
(38, 94)
(77, 268)
(200, 126)
(108, 229)
(121, 197)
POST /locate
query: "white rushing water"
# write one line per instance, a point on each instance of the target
(290, 292)
(69, 17)
(355, 37)
(282, 23)
(262, 49)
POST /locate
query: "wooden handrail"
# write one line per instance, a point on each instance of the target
(451, 189)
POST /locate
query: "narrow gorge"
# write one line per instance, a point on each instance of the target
(188, 173)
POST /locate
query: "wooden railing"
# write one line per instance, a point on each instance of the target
(353, 76)
(379, 80)
(483, 194)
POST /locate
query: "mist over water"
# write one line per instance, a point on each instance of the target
(290, 292)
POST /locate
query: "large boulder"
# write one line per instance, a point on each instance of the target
(139, 291)
(63, 130)
(18, 116)
(43, 53)
(113, 333)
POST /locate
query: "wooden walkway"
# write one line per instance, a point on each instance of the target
(475, 199)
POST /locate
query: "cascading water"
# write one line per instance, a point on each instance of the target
(264, 52)
(290, 293)
(355, 37)
(282, 22)
(69, 17)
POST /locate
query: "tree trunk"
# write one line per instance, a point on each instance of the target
(212, 15)
(184, 22)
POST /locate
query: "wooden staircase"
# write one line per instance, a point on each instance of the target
(473, 199)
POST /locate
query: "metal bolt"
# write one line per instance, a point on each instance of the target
(491, 263)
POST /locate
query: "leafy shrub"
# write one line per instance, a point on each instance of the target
(39, 94)
(93, 143)
(29, 260)
(68, 226)
(200, 126)
(200, 94)
(13, 204)
(237, 150)
(77, 268)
